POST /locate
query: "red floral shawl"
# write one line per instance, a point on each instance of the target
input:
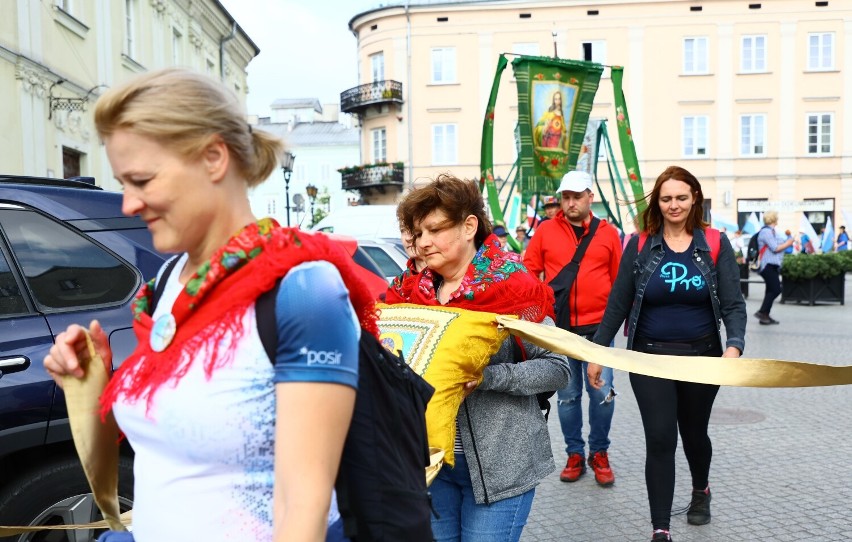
(495, 281)
(215, 298)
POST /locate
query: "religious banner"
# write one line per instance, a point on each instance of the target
(625, 138)
(555, 97)
(587, 161)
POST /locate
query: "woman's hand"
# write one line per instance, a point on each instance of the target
(593, 371)
(469, 387)
(64, 356)
(731, 352)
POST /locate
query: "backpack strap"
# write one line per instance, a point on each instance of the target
(162, 279)
(267, 323)
(714, 239)
(519, 354)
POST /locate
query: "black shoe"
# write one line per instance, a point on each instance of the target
(768, 321)
(699, 508)
(661, 536)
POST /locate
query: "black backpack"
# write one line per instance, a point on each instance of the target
(753, 252)
(381, 484)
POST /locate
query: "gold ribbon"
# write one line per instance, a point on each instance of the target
(748, 372)
(96, 443)
(436, 461)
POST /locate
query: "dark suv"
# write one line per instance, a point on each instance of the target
(67, 255)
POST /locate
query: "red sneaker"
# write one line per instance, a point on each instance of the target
(574, 468)
(600, 464)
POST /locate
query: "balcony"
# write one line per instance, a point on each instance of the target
(376, 176)
(357, 100)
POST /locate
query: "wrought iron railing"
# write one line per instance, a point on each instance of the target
(376, 92)
(372, 176)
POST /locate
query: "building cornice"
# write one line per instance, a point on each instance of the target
(37, 78)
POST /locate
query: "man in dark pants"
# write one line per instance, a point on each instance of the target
(771, 255)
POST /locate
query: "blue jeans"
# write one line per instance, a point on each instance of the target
(460, 519)
(570, 407)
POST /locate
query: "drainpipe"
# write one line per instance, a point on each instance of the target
(222, 41)
(408, 101)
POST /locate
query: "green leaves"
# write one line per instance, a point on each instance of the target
(808, 266)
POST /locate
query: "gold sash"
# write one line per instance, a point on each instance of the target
(749, 372)
(96, 443)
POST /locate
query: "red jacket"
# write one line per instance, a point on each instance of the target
(553, 246)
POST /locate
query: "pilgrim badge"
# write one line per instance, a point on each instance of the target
(163, 332)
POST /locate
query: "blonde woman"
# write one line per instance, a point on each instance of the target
(229, 444)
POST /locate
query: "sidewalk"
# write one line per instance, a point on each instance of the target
(782, 467)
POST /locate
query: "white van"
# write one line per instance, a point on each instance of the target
(364, 221)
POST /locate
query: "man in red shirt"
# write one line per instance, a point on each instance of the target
(550, 250)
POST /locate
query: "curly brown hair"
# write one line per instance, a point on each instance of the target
(456, 198)
(652, 217)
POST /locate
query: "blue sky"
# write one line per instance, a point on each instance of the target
(306, 48)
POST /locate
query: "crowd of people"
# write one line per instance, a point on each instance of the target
(220, 433)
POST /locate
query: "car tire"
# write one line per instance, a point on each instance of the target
(58, 493)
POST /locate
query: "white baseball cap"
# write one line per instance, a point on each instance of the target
(575, 181)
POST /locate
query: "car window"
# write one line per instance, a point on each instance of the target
(389, 267)
(62, 267)
(11, 300)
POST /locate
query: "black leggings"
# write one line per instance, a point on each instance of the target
(667, 406)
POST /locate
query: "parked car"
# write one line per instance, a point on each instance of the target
(387, 256)
(67, 255)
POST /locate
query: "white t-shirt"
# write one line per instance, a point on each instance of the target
(204, 466)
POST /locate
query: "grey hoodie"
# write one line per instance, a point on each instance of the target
(503, 431)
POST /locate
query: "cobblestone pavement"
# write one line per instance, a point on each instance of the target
(782, 467)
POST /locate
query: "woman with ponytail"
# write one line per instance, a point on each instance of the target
(229, 444)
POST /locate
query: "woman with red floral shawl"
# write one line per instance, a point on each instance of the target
(229, 445)
(502, 447)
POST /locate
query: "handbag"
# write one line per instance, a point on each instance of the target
(562, 282)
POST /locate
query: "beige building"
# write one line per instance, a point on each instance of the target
(56, 57)
(746, 95)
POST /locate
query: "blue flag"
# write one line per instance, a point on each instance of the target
(827, 241)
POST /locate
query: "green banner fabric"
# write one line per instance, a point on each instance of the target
(625, 139)
(555, 97)
(486, 157)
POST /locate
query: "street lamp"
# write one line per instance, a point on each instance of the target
(287, 160)
(312, 193)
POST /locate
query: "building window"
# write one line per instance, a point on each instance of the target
(177, 48)
(695, 56)
(377, 66)
(753, 135)
(380, 148)
(129, 27)
(443, 65)
(753, 54)
(594, 51)
(695, 136)
(819, 133)
(71, 163)
(444, 144)
(821, 51)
